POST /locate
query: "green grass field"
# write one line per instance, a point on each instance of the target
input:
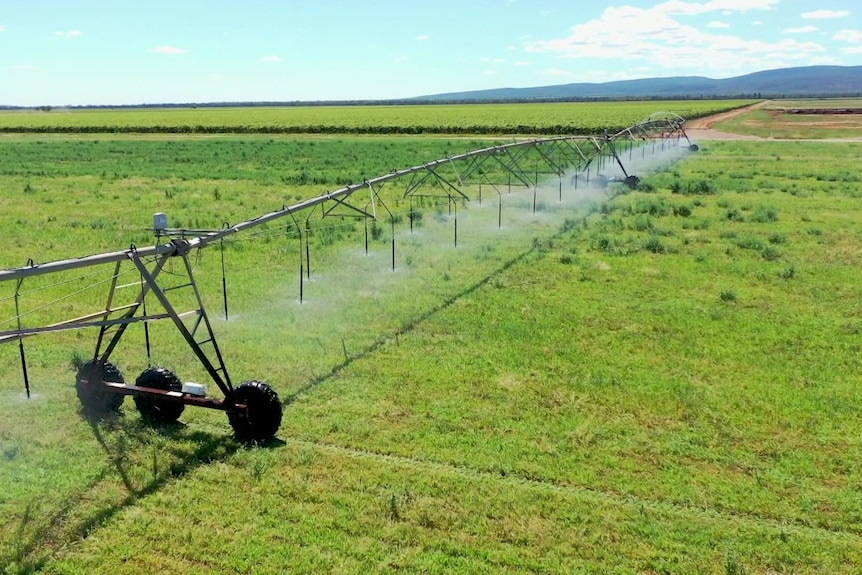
(665, 381)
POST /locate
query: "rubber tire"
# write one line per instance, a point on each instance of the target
(159, 410)
(262, 418)
(93, 401)
(693, 148)
(632, 182)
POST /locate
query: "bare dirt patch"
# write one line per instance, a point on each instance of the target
(703, 128)
(710, 121)
(779, 122)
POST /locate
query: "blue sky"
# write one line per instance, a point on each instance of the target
(79, 52)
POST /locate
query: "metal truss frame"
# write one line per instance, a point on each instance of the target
(452, 178)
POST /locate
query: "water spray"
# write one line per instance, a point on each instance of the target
(253, 407)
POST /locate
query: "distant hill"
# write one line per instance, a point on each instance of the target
(807, 81)
(812, 81)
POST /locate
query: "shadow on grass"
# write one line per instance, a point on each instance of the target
(37, 537)
(408, 327)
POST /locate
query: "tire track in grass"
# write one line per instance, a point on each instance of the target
(604, 496)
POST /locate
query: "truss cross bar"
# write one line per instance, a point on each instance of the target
(447, 184)
(215, 371)
(111, 291)
(455, 169)
(206, 321)
(575, 145)
(132, 309)
(339, 202)
(473, 164)
(518, 155)
(514, 169)
(83, 324)
(612, 147)
(415, 185)
(549, 160)
(172, 288)
(194, 329)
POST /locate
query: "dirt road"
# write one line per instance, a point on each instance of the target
(702, 128)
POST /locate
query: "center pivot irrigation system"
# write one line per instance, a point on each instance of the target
(253, 407)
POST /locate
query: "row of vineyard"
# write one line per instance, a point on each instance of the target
(483, 119)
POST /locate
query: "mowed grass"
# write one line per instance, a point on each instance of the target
(665, 381)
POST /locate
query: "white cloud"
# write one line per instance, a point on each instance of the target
(658, 37)
(852, 36)
(717, 24)
(2, 28)
(800, 30)
(271, 59)
(400, 59)
(609, 76)
(423, 37)
(757, 23)
(69, 34)
(825, 61)
(511, 48)
(490, 72)
(24, 67)
(493, 60)
(820, 14)
(726, 7)
(168, 50)
(853, 50)
(521, 63)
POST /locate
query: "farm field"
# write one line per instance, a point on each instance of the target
(664, 380)
(545, 118)
(771, 120)
(816, 104)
